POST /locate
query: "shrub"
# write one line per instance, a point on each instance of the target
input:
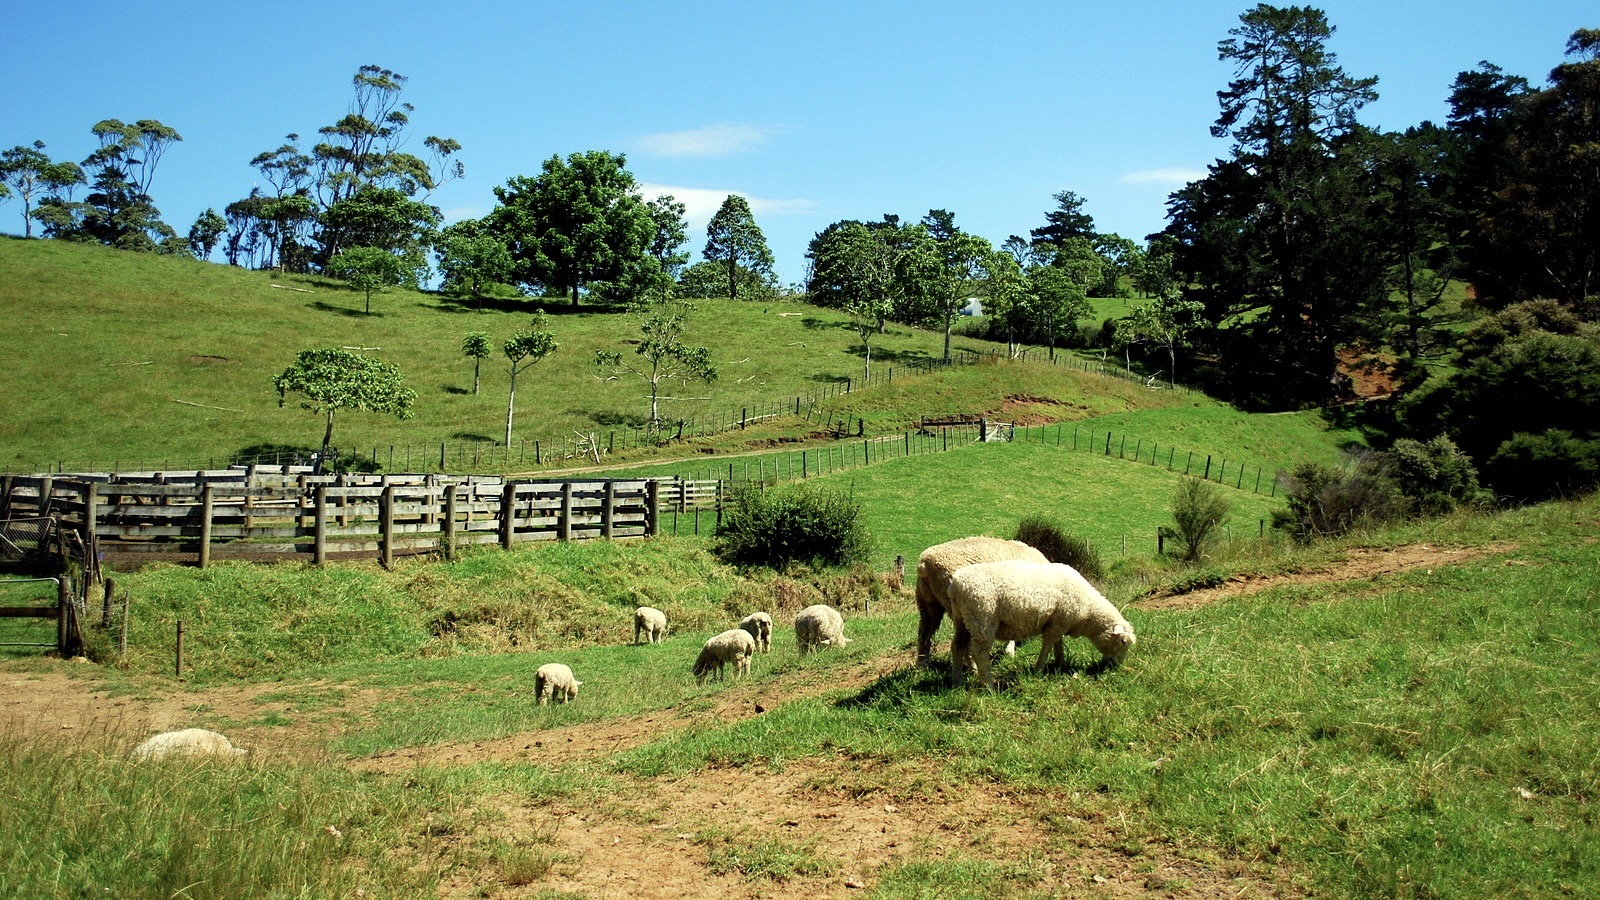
(800, 522)
(1051, 539)
(1533, 467)
(1436, 475)
(1325, 501)
(1199, 509)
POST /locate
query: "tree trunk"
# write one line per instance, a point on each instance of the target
(327, 434)
(476, 365)
(733, 277)
(949, 322)
(511, 406)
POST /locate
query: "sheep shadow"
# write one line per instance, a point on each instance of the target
(903, 687)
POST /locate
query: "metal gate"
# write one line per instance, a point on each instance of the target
(15, 597)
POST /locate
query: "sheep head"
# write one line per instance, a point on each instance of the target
(1116, 641)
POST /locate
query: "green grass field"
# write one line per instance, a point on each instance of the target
(1422, 731)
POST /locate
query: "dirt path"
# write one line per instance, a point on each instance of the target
(823, 826)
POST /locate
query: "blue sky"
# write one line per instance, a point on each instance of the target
(814, 111)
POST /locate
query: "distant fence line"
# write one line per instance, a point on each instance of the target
(526, 454)
(1198, 463)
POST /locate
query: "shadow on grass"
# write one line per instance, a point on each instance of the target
(345, 311)
(526, 305)
(823, 378)
(474, 436)
(610, 418)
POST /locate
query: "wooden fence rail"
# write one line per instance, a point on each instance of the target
(201, 516)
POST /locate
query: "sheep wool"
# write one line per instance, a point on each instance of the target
(732, 646)
(1016, 599)
(939, 562)
(555, 679)
(759, 624)
(187, 742)
(819, 626)
(650, 622)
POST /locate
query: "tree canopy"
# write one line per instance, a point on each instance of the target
(330, 380)
(735, 240)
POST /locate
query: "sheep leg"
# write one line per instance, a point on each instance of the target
(1051, 640)
(960, 653)
(982, 659)
(930, 614)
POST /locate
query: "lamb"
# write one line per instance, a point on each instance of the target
(556, 679)
(732, 646)
(759, 624)
(941, 561)
(187, 742)
(651, 622)
(818, 626)
(1017, 599)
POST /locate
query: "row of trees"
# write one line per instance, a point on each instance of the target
(354, 204)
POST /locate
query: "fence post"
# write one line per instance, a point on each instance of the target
(450, 521)
(1208, 467)
(319, 526)
(441, 457)
(565, 529)
(805, 468)
(206, 501)
(652, 507)
(508, 504)
(386, 526)
(608, 506)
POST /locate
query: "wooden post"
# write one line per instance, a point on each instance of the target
(608, 505)
(110, 591)
(805, 466)
(319, 526)
(1208, 467)
(206, 507)
(652, 506)
(508, 509)
(450, 521)
(565, 527)
(63, 606)
(386, 526)
(122, 639)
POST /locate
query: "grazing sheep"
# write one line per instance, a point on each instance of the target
(941, 561)
(557, 679)
(651, 622)
(818, 626)
(1016, 599)
(732, 646)
(759, 624)
(188, 742)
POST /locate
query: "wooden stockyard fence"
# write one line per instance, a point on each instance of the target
(282, 513)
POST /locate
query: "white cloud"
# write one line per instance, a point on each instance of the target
(700, 204)
(1175, 177)
(712, 140)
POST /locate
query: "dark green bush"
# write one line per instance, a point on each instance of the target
(1436, 475)
(792, 523)
(1057, 545)
(1199, 510)
(1533, 467)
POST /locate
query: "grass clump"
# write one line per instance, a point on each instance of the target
(792, 523)
(1051, 539)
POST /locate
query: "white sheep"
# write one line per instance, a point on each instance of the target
(1017, 599)
(187, 742)
(556, 679)
(759, 624)
(941, 561)
(732, 646)
(651, 622)
(819, 626)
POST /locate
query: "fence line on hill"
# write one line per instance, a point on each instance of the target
(528, 454)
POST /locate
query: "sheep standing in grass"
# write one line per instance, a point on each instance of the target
(1016, 599)
(759, 624)
(819, 626)
(732, 646)
(650, 622)
(941, 561)
(188, 742)
(557, 679)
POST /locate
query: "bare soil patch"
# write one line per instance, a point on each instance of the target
(1358, 565)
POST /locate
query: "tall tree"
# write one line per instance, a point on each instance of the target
(25, 172)
(663, 356)
(1066, 221)
(330, 380)
(1054, 300)
(1165, 322)
(1278, 236)
(204, 234)
(734, 239)
(470, 259)
(580, 222)
(961, 268)
(386, 218)
(118, 210)
(524, 349)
